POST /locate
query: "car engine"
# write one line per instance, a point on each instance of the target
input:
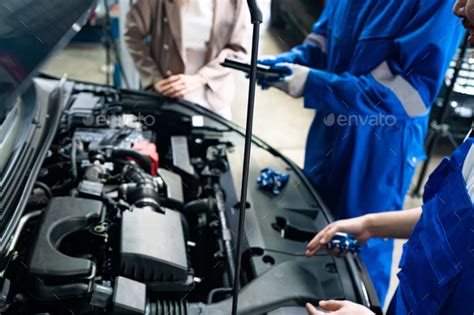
(135, 210)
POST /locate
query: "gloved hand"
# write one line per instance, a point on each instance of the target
(294, 83)
(266, 83)
(273, 60)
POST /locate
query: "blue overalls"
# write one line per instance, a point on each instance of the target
(377, 66)
(437, 266)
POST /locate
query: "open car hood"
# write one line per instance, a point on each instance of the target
(30, 32)
(163, 236)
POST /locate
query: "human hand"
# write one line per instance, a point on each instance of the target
(271, 60)
(179, 85)
(338, 308)
(266, 82)
(277, 62)
(358, 227)
(295, 82)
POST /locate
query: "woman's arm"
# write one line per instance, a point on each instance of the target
(394, 224)
(138, 27)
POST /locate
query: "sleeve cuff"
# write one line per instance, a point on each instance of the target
(213, 75)
(316, 89)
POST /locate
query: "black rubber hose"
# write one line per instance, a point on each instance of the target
(134, 174)
(45, 188)
(210, 297)
(62, 292)
(199, 206)
(226, 233)
(73, 158)
(143, 160)
(145, 192)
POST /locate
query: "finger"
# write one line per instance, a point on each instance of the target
(316, 241)
(163, 83)
(329, 234)
(168, 86)
(179, 93)
(311, 251)
(267, 60)
(331, 305)
(318, 236)
(312, 310)
(169, 81)
(174, 78)
(176, 87)
(163, 86)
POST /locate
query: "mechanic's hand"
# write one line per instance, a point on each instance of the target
(273, 60)
(268, 60)
(338, 308)
(294, 83)
(179, 85)
(358, 227)
(266, 83)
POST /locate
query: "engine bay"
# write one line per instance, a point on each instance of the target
(135, 211)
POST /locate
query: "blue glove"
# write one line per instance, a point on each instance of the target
(273, 61)
(266, 83)
(280, 58)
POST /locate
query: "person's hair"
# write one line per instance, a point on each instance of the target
(184, 2)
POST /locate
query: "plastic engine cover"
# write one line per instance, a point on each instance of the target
(152, 247)
(63, 216)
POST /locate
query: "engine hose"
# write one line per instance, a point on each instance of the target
(210, 297)
(45, 189)
(199, 206)
(74, 158)
(144, 162)
(226, 234)
(133, 174)
(142, 189)
(45, 293)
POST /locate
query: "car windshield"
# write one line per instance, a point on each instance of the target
(30, 30)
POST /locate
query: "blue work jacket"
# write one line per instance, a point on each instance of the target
(437, 266)
(376, 68)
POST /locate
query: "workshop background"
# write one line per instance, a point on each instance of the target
(279, 119)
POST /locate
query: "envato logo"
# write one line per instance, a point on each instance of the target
(378, 120)
(119, 121)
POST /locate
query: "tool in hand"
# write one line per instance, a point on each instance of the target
(264, 73)
(345, 243)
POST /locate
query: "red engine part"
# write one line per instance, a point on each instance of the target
(149, 150)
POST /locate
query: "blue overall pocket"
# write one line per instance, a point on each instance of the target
(437, 264)
(429, 267)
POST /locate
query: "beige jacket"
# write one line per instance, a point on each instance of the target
(153, 37)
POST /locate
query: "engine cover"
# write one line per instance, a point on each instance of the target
(64, 215)
(152, 247)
